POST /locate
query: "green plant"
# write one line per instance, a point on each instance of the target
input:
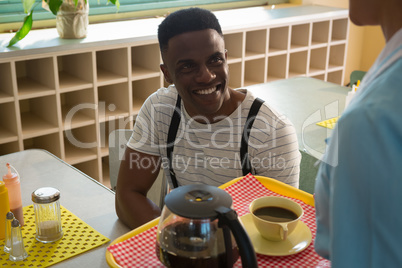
(28, 5)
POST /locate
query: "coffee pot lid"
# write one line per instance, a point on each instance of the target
(197, 201)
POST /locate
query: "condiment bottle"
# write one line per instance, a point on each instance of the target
(47, 214)
(7, 240)
(4, 208)
(12, 181)
(17, 252)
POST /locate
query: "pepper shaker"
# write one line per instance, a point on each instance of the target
(17, 252)
(47, 214)
(7, 240)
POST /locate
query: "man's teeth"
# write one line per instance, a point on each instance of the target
(206, 91)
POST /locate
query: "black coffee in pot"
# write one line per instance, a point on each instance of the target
(190, 248)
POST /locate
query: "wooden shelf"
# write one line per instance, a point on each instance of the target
(106, 77)
(69, 82)
(140, 73)
(7, 136)
(49, 142)
(80, 144)
(8, 123)
(76, 155)
(34, 126)
(105, 172)
(6, 84)
(79, 118)
(29, 88)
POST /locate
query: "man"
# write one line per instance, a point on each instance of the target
(206, 147)
(358, 201)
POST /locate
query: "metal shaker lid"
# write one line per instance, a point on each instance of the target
(15, 223)
(45, 195)
(10, 215)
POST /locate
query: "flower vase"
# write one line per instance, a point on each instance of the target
(72, 20)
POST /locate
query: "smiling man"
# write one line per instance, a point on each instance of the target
(198, 129)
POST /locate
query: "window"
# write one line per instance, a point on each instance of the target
(12, 13)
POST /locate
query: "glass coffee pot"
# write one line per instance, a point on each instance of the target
(198, 228)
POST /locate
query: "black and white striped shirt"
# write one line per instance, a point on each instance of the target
(210, 153)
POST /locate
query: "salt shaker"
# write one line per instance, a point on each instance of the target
(17, 252)
(47, 214)
(7, 240)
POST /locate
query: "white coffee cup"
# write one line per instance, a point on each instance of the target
(276, 218)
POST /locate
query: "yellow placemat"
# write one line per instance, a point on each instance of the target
(78, 237)
(329, 123)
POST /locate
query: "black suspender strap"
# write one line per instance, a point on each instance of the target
(245, 160)
(174, 126)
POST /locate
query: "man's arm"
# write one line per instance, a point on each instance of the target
(138, 171)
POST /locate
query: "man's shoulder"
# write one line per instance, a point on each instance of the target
(270, 115)
(162, 99)
(167, 95)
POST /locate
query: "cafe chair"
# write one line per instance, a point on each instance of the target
(117, 145)
(308, 172)
(355, 76)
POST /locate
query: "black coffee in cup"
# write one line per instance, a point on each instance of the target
(275, 214)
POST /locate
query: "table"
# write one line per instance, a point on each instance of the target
(80, 194)
(305, 101)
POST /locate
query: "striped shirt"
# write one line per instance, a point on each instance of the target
(210, 153)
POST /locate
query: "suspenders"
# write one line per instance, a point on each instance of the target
(245, 161)
(174, 126)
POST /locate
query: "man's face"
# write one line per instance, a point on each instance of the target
(196, 63)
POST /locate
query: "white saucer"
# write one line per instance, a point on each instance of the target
(297, 241)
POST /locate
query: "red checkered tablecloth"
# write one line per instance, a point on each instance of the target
(139, 250)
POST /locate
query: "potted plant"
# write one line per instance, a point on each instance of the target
(71, 17)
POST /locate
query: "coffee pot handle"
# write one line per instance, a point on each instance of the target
(229, 218)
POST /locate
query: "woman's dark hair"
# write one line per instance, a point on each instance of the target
(186, 20)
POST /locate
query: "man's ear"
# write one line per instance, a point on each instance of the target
(166, 74)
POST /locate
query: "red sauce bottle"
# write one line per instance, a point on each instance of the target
(13, 185)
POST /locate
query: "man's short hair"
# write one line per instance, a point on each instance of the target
(186, 20)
